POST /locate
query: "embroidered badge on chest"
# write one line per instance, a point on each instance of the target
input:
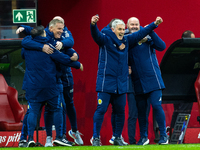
(100, 101)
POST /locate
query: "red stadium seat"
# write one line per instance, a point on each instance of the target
(197, 90)
(11, 113)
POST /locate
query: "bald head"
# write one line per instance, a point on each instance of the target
(133, 24)
(188, 34)
(59, 18)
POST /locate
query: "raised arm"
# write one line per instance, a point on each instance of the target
(25, 29)
(157, 43)
(137, 36)
(98, 37)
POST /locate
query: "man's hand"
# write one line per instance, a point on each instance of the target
(122, 46)
(74, 57)
(81, 67)
(94, 19)
(158, 21)
(20, 29)
(47, 49)
(129, 70)
(143, 40)
(59, 45)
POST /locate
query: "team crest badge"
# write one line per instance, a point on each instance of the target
(100, 101)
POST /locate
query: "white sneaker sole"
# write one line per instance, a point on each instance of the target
(146, 143)
(111, 142)
(164, 143)
(31, 144)
(59, 143)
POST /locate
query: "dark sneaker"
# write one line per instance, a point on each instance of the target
(125, 143)
(22, 143)
(118, 141)
(72, 143)
(62, 142)
(163, 140)
(133, 143)
(76, 136)
(111, 141)
(143, 141)
(31, 142)
(96, 142)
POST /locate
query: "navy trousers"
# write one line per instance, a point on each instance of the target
(155, 99)
(52, 115)
(69, 107)
(132, 117)
(118, 104)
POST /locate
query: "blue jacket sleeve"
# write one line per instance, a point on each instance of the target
(98, 36)
(75, 64)
(28, 43)
(70, 52)
(68, 40)
(27, 29)
(63, 58)
(157, 43)
(22, 53)
(137, 36)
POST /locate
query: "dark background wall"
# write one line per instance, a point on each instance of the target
(178, 16)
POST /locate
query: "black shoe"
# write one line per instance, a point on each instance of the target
(62, 142)
(22, 143)
(96, 142)
(133, 143)
(72, 143)
(143, 141)
(31, 142)
(118, 141)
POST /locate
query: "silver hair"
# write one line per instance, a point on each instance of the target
(54, 22)
(59, 18)
(117, 22)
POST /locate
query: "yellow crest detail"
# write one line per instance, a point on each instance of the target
(99, 101)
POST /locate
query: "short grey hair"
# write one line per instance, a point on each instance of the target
(117, 22)
(59, 18)
(54, 22)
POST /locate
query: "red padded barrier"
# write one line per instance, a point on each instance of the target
(11, 111)
(197, 90)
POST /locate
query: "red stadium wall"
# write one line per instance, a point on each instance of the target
(178, 16)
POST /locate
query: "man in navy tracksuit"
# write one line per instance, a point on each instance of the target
(147, 81)
(67, 81)
(41, 84)
(112, 76)
(66, 41)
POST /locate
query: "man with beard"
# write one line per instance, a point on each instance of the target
(147, 80)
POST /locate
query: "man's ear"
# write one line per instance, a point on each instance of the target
(50, 28)
(112, 29)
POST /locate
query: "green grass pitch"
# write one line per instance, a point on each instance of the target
(111, 147)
